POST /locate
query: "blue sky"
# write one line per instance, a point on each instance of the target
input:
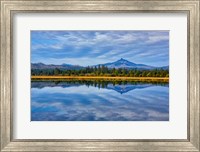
(95, 47)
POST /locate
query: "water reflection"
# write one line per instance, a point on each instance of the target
(99, 101)
(118, 86)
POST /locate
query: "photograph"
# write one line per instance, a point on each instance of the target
(99, 75)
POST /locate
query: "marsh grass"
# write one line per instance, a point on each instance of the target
(99, 78)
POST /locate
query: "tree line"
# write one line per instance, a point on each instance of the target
(101, 71)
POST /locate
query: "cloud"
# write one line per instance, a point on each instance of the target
(99, 46)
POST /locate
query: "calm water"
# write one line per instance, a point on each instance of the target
(99, 101)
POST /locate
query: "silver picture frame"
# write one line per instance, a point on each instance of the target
(11, 7)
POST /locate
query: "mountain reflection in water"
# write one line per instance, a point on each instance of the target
(99, 101)
(118, 86)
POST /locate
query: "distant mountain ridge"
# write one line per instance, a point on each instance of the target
(52, 66)
(122, 63)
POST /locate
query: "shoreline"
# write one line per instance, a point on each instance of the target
(165, 79)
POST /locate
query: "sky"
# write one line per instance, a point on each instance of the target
(97, 47)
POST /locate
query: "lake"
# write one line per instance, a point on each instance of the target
(99, 101)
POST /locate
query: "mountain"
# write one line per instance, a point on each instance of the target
(52, 66)
(122, 63)
(164, 68)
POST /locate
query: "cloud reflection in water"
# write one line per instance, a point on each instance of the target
(65, 101)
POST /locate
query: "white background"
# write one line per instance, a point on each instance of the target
(176, 128)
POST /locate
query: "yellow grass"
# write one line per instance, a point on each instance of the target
(166, 79)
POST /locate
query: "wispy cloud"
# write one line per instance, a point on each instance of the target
(94, 47)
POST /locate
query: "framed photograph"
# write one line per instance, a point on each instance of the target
(92, 88)
(100, 75)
